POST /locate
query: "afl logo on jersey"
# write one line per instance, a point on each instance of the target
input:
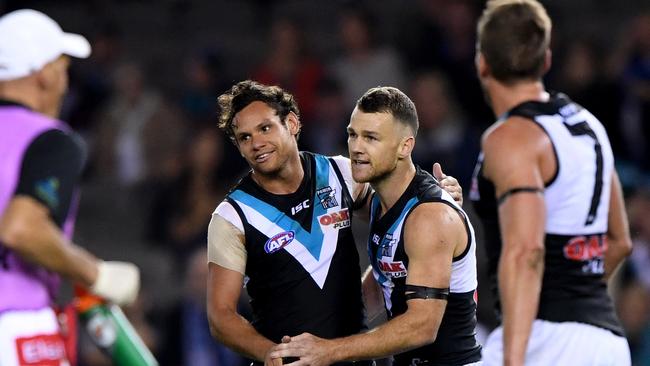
(279, 241)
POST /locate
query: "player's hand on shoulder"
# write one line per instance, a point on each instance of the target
(448, 183)
(117, 282)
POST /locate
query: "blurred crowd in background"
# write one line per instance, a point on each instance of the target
(145, 102)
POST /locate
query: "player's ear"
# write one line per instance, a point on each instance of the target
(481, 65)
(406, 147)
(293, 123)
(45, 77)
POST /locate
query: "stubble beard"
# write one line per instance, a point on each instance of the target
(376, 176)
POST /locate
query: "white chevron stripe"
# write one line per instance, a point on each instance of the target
(318, 269)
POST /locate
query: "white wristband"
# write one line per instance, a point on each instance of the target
(117, 282)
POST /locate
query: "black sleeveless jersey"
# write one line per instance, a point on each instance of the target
(455, 343)
(302, 265)
(577, 206)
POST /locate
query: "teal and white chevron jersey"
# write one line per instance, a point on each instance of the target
(302, 263)
(455, 343)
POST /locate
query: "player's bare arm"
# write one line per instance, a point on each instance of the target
(619, 244)
(512, 162)
(226, 325)
(225, 282)
(419, 324)
(373, 298)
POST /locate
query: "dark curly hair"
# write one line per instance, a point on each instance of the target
(246, 92)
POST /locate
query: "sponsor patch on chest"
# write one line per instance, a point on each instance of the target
(336, 220)
(327, 197)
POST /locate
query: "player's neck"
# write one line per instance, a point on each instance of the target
(286, 180)
(20, 91)
(504, 97)
(392, 186)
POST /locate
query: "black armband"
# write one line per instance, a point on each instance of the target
(516, 190)
(422, 292)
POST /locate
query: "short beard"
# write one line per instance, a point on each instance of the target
(379, 177)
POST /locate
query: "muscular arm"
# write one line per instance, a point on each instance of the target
(27, 229)
(226, 325)
(512, 159)
(227, 258)
(619, 244)
(419, 324)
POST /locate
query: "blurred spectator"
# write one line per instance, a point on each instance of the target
(633, 308)
(444, 135)
(581, 77)
(288, 64)
(363, 64)
(442, 36)
(422, 40)
(138, 136)
(326, 131)
(204, 80)
(90, 82)
(188, 340)
(633, 59)
(639, 213)
(634, 296)
(182, 208)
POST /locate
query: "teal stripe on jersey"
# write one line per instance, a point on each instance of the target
(312, 241)
(377, 257)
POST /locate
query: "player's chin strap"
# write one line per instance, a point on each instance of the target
(422, 292)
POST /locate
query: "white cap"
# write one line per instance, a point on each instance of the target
(30, 39)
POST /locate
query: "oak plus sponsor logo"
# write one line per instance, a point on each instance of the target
(337, 220)
(392, 269)
(589, 250)
(279, 241)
